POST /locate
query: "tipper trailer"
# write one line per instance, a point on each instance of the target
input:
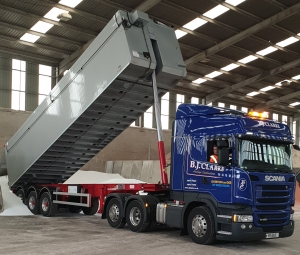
(247, 195)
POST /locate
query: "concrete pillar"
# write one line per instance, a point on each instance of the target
(172, 108)
(32, 86)
(296, 132)
(5, 82)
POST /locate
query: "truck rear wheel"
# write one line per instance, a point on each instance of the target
(135, 217)
(114, 214)
(20, 193)
(33, 203)
(201, 226)
(93, 209)
(47, 207)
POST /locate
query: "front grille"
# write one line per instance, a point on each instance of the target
(271, 205)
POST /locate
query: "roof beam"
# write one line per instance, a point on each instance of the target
(240, 36)
(48, 36)
(75, 11)
(33, 58)
(276, 101)
(34, 45)
(147, 5)
(36, 17)
(223, 92)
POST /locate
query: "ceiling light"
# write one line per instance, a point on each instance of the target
(53, 13)
(199, 80)
(254, 93)
(296, 77)
(41, 27)
(294, 104)
(215, 12)
(197, 22)
(234, 2)
(213, 74)
(229, 67)
(65, 16)
(29, 38)
(70, 3)
(266, 51)
(247, 59)
(287, 42)
(179, 33)
(267, 88)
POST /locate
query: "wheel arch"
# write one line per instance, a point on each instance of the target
(32, 188)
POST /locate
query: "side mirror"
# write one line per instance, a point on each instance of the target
(223, 155)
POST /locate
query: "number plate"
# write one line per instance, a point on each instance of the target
(272, 235)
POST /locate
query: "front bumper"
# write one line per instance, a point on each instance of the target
(254, 233)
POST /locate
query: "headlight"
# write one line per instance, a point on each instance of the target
(242, 218)
(291, 216)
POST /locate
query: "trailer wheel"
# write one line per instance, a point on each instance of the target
(135, 217)
(47, 207)
(201, 225)
(93, 209)
(114, 214)
(74, 209)
(20, 193)
(33, 203)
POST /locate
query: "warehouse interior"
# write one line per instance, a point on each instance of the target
(239, 54)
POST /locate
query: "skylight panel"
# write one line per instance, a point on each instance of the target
(267, 88)
(179, 33)
(296, 77)
(199, 81)
(229, 67)
(266, 51)
(234, 2)
(294, 104)
(41, 27)
(70, 3)
(287, 42)
(247, 59)
(29, 38)
(53, 13)
(215, 12)
(197, 22)
(213, 74)
(284, 81)
(254, 93)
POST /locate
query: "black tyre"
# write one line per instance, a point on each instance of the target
(114, 214)
(201, 225)
(93, 209)
(20, 193)
(47, 207)
(33, 203)
(135, 217)
(75, 209)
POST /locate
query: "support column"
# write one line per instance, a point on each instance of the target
(32, 86)
(172, 109)
(5, 82)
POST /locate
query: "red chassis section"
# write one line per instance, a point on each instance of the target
(100, 191)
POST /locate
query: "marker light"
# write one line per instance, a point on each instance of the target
(261, 115)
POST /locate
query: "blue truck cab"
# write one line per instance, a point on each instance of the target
(250, 192)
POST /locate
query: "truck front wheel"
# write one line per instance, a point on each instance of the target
(135, 217)
(201, 226)
(114, 214)
(47, 207)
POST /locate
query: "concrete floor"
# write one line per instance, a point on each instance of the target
(80, 234)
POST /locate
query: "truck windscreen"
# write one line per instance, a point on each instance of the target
(264, 155)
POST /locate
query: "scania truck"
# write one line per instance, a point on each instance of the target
(247, 195)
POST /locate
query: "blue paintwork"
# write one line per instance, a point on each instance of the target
(194, 126)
